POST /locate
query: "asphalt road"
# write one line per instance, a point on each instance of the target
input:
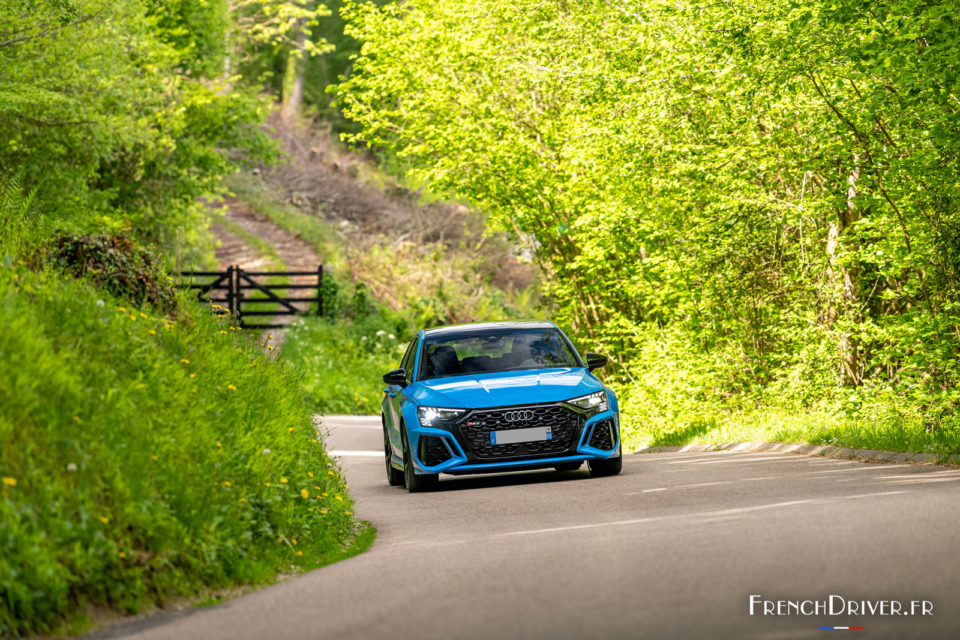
(672, 548)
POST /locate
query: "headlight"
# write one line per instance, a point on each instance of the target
(437, 416)
(592, 404)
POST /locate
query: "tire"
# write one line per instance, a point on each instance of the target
(568, 466)
(394, 476)
(608, 467)
(411, 480)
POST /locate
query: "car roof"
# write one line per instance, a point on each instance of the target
(489, 326)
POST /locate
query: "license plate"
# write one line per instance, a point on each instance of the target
(533, 434)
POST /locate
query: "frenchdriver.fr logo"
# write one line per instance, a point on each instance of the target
(837, 605)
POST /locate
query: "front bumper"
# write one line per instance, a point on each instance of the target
(465, 447)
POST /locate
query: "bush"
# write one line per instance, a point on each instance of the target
(145, 459)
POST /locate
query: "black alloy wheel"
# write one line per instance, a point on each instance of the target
(394, 476)
(411, 480)
(608, 467)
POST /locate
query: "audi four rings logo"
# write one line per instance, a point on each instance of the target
(518, 416)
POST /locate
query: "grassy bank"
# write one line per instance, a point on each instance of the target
(148, 456)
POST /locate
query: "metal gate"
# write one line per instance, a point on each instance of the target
(244, 292)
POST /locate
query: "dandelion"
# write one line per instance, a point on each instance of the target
(304, 494)
(133, 317)
(293, 540)
(299, 553)
(324, 495)
(76, 418)
(223, 332)
(219, 445)
(243, 499)
(283, 480)
(168, 326)
(340, 498)
(266, 484)
(104, 519)
(72, 467)
(122, 309)
(143, 315)
(310, 474)
(122, 554)
(184, 361)
(330, 473)
(216, 306)
(193, 375)
(99, 303)
(152, 332)
(10, 482)
(154, 458)
(239, 350)
(232, 387)
(349, 513)
(270, 347)
(323, 511)
(226, 483)
(270, 336)
(290, 429)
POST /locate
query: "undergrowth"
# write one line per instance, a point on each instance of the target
(145, 458)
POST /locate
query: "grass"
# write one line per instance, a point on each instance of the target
(342, 364)
(814, 426)
(145, 459)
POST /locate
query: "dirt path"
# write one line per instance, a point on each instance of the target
(292, 252)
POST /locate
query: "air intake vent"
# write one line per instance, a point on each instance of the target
(602, 435)
(433, 451)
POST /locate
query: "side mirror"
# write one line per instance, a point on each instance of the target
(396, 377)
(595, 361)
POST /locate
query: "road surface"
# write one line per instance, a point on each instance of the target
(673, 548)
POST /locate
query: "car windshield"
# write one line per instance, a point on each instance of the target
(493, 351)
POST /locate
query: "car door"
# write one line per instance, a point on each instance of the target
(394, 398)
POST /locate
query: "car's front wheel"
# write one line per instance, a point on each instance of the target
(411, 480)
(608, 467)
(394, 476)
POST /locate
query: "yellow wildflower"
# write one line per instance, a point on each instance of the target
(270, 347)
(266, 484)
(231, 387)
(193, 375)
(243, 499)
(219, 445)
(152, 332)
(104, 519)
(143, 315)
(283, 480)
(317, 488)
(293, 540)
(76, 418)
(239, 350)
(324, 511)
(310, 473)
(154, 457)
(290, 429)
(324, 495)
(339, 497)
(122, 309)
(122, 554)
(133, 317)
(331, 473)
(226, 483)
(270, 336)
(299, 553)
(184, 361)
(304, 493)
(10, 482)
(222, 331)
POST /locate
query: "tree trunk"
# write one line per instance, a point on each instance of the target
(844, 281)
(295, 76)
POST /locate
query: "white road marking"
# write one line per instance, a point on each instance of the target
(616, 523)
(355, 454)
(652, 490)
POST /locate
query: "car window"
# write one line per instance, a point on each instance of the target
(494, 351)
(408, 359)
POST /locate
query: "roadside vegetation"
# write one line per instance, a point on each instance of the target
(151, 452)
(751, 206)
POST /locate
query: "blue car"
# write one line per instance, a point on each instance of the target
(499, 396)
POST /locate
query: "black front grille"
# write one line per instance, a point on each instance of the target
(476, 427)
(433, 451)
(602, 435)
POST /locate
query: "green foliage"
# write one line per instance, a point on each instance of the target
(146, 459)
(98, 119)
(748, 204)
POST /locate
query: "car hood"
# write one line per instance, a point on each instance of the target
(504, 389)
